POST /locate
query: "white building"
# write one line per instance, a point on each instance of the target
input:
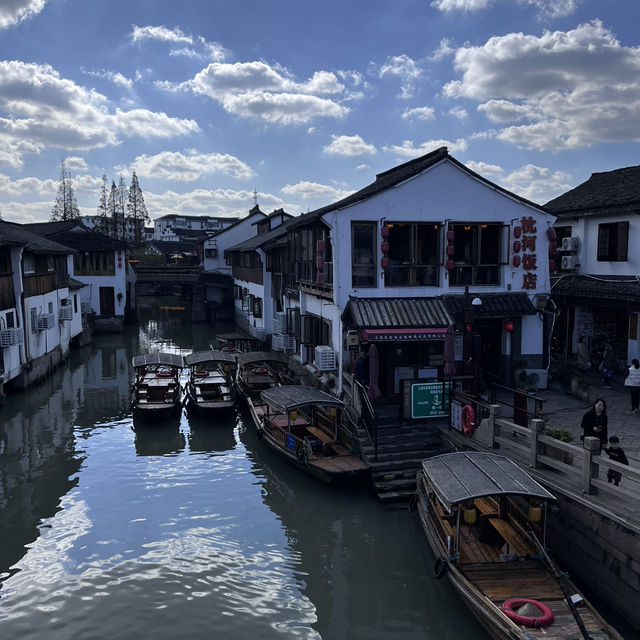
(388, 265)
(172, 226)
(597, 280)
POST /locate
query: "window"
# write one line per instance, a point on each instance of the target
(613, 241)
(75, 303)
(28, 263)
(34, 320)
(476, 255)
(363, 254)
(257, 307)
(413, 255)
(51, 263)
(10, 320)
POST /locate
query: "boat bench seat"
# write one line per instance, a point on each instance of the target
(511, 537)
(485, 507)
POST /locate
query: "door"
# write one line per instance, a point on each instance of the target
(107, 302)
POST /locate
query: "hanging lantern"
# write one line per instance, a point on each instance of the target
(515, 261)
(508, 326)
(320, 278)
(384, 232)
(551, 234)
(469, 516)
(293, 415)
(449, 265)
(450, 235)
(552, 266)
(320, 263)
(517, 246)
(384, 247)
(535, 514)
(320, 246)
(451, 250)
(384, 262)
(553, 248)
(517, 232)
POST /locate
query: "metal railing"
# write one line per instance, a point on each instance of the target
(368, 417)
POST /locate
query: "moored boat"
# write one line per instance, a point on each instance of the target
(303, 424)
(209, 390)
(156, 388)
(259, 370)
(484, 518)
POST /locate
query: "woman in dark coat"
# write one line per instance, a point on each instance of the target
(595, 422)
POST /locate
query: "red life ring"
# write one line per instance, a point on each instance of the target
(468, 419)
(542, 621)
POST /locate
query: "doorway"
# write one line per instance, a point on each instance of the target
(107, 302)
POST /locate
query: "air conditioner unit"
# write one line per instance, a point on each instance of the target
(11, 337)
(85, 307)
(569, 262)
(46, 321)
(324, 358)
(65, 313)
(570, 244)
(280, 322)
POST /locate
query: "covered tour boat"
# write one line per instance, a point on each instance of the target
(303, 424)
(156, 388)
(484, 518)
(209, 390)
(259, 370)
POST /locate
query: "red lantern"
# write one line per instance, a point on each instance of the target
(384, 247)
(450, 235)
(451, 250)
(320, 246)
(552, 266)
(467, 328)
(553, 248)
(320, 278)
(384, 232)
(449, 265)
(516, 261)
(508, 325)
(320, 263)
(516, 246)
(551, 234)
(517, 232)
(384, 262)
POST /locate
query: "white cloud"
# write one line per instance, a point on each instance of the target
(258, 90)
(406, 69)
(409, 150)
(313, 190)
(546, 8)
(444, 50)
(75, 163)
(419, 113)
(194, 46)
(348, 146)
(458, 112)
(116, 78)
(189, 166)
(565, 90)
(14, 11)
(40, 109)
(160, 34)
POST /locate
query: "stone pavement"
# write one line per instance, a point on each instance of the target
(563, 410)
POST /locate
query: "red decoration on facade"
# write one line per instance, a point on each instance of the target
(552, 266)
(451, 250)
(551, 234)
(384, 232)
(553, 248)
(530, 261)
(517, 232)
(320, 263)
(508, 325)
(528, 225)
(516, 246)
(515, 261)
(451, 235)
(529, 242)
(384, 247)
(529, 280)
(449, 265)
(384, 262)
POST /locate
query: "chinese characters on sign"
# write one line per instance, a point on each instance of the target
(524, 251)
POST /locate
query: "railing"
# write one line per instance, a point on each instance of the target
(521, 401)
(37, 285)
(584, 466)
(367, 415)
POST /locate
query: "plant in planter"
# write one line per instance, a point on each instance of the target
(564, 435)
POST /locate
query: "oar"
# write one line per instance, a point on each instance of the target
(557, 574)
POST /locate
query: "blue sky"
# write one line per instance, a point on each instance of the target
(304, 102)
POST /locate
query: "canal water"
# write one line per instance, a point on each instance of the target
(190, 530)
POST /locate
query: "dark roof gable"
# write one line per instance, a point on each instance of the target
(603, 192)
(12, 233)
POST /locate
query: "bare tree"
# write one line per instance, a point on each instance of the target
(102, 212)
(66, 205)
(136, 209)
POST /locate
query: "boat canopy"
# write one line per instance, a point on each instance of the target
(293, 396)
(198, 357)
(252, 357)
(458, 477)
(168, 359)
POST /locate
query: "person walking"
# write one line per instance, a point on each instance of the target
(595, 422)
(584, 362)
(608, 364)
(633, 382)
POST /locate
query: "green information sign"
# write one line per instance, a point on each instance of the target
(427, 399)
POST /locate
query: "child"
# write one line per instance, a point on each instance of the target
(615, 452)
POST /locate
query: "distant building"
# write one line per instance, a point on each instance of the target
(173, 227)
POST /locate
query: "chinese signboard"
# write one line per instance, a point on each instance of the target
(428, 400)
(524, 251)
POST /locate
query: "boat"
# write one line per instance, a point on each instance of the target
(156, 388)
(303, 424)
(239, 342)
(209, 390)
(259, 370)
(484, 518)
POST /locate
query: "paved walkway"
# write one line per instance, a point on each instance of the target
(563, 410)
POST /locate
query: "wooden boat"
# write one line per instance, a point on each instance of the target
(484, 518)
(302, 424)
(156, 388)
(259, 370)
(239, 342)
(209, 390)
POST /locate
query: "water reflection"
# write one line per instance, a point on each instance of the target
(207, 436)
(154, 440)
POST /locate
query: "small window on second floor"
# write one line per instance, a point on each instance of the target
(613, 241)
(363, 254)
(28, 263)
(51, 263)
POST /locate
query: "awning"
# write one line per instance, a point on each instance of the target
(424, 333)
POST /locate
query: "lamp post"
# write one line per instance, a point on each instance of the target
(471, 363)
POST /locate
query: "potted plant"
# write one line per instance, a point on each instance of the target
(564, 435)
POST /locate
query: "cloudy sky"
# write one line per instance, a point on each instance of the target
(304, 102)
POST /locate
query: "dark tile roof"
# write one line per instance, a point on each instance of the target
(396, 175)
(398, 312)
(177, 246)
(259, 240)
(494, 305)
(253, 212)
(74, 234)
(17, 234)
(599, 287)
(173, 216)
(191, 233)
(76, 284)
(602, 192)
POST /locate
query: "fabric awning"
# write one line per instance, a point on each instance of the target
(424, 333)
